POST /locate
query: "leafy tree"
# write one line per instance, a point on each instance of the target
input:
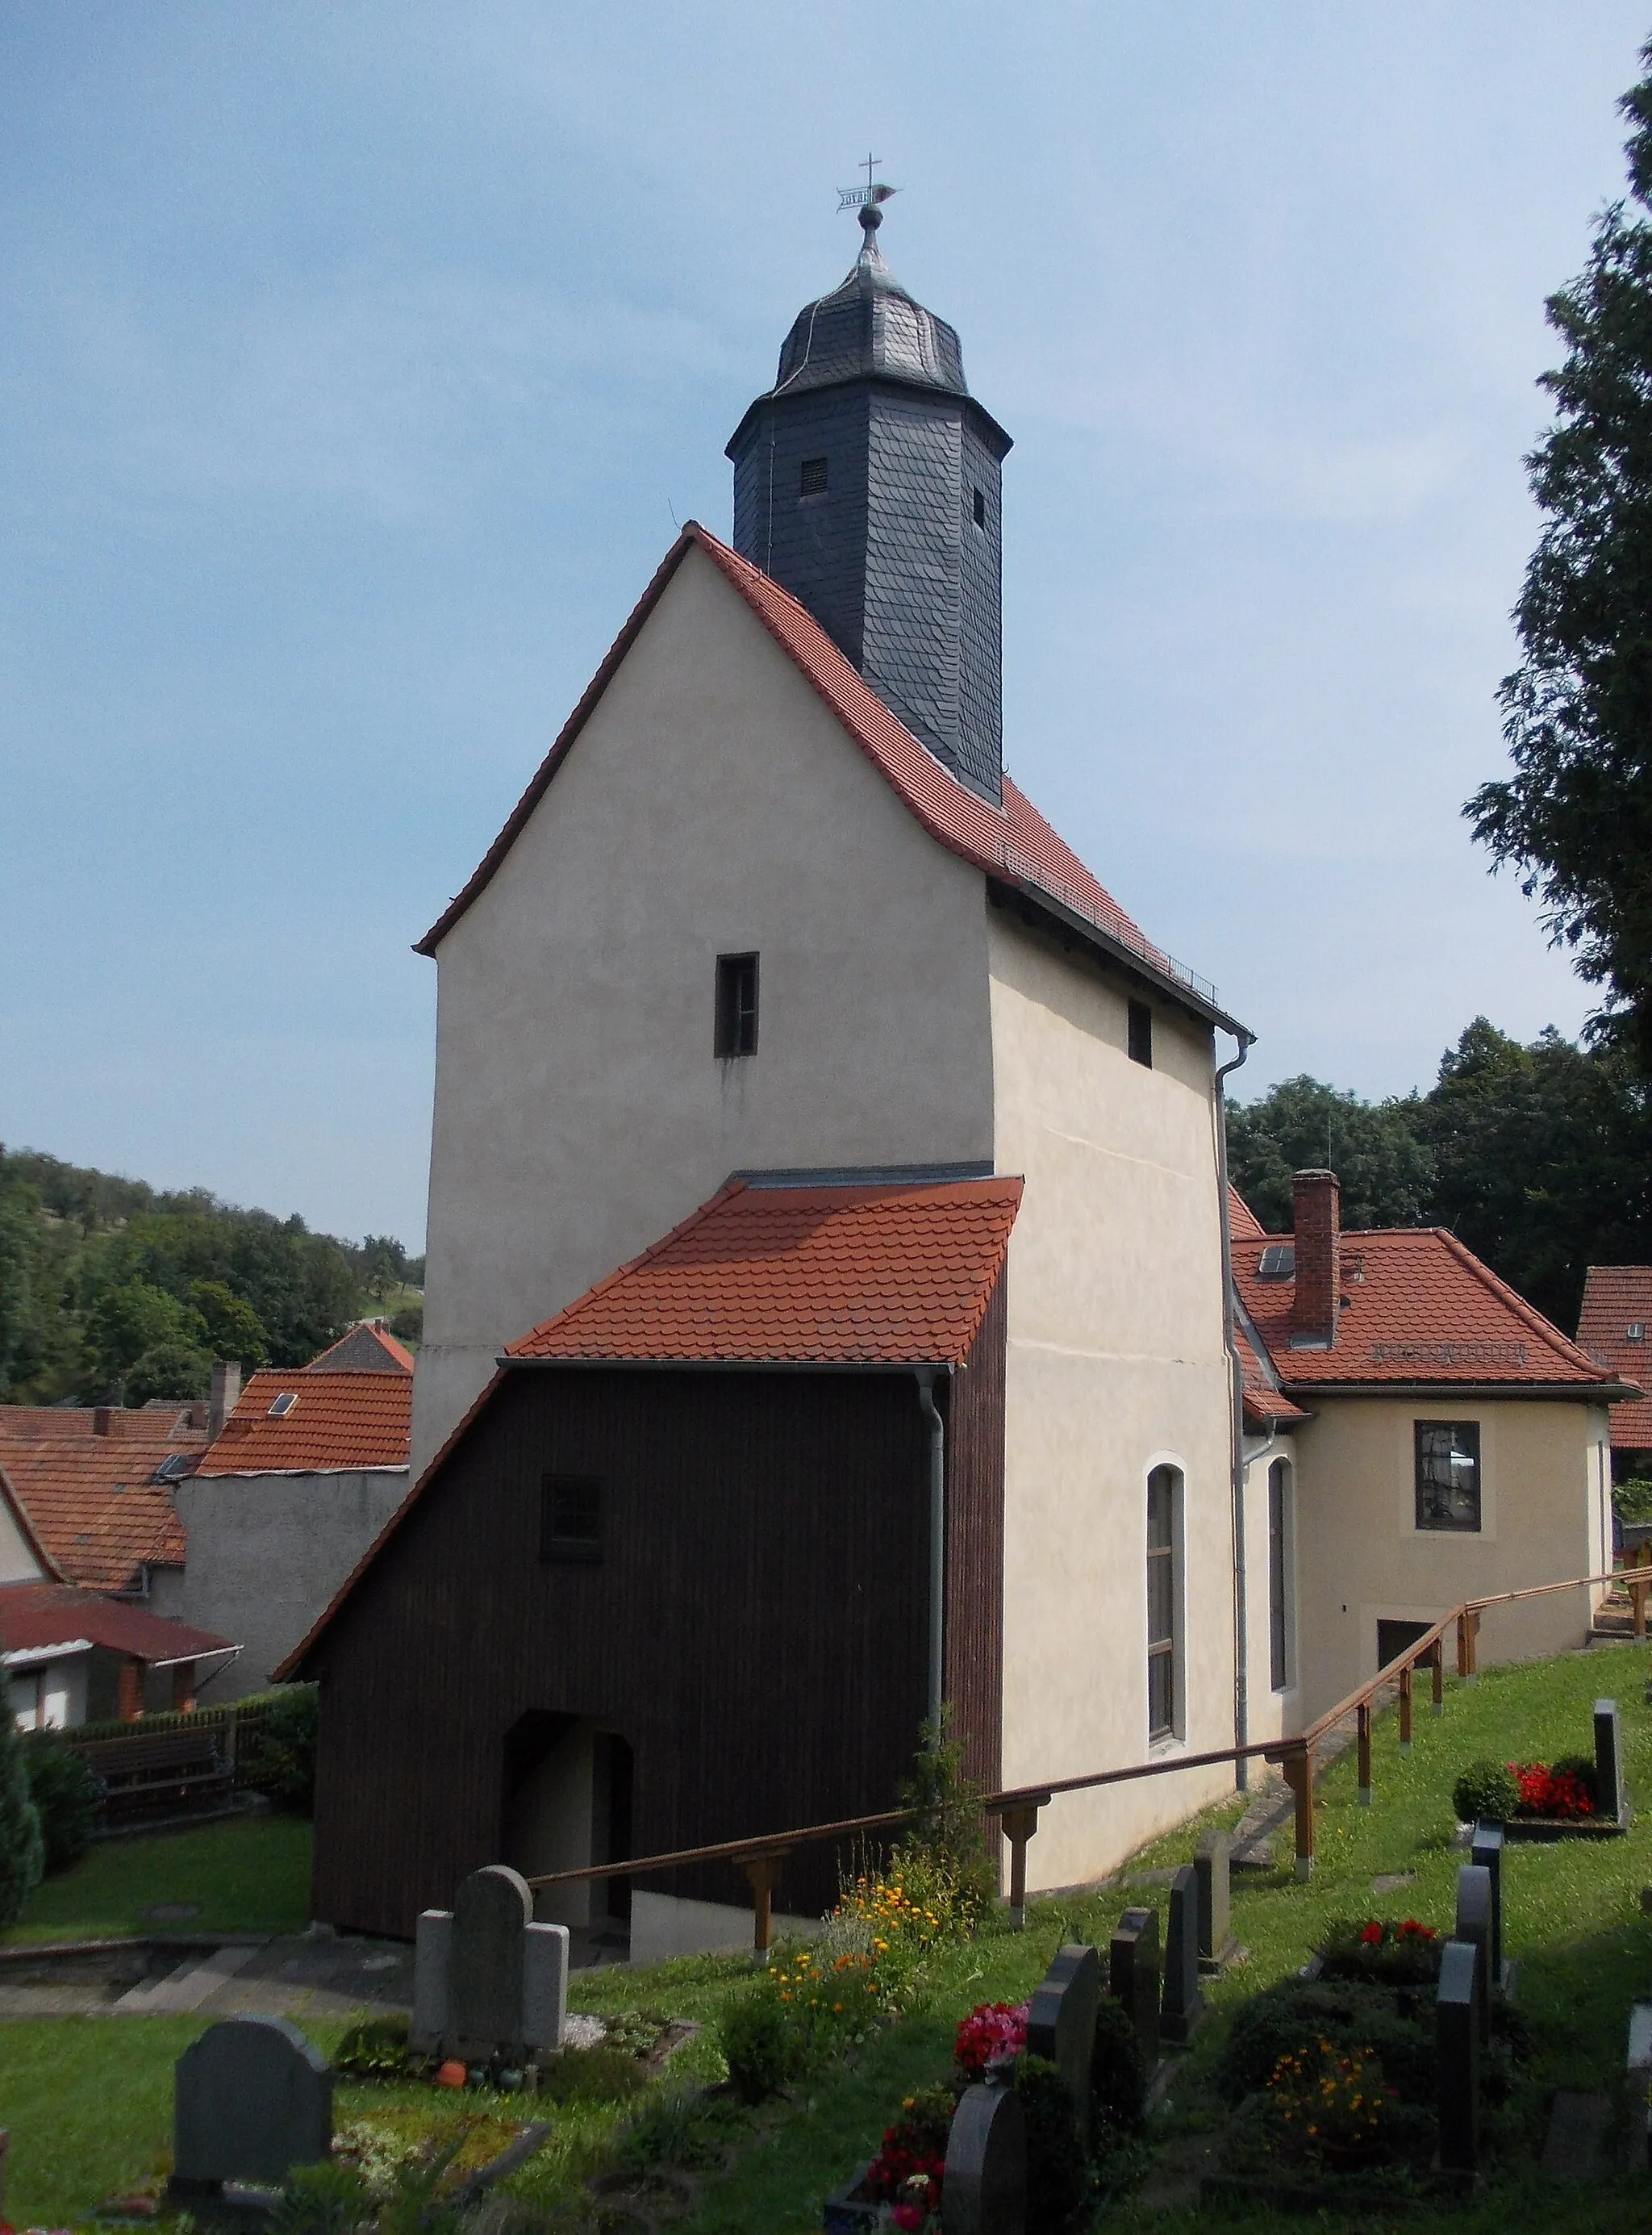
(167, 1369)
(22, 1852)
(1387, 1171)
(1576, 817)
(138, 1320)
(384, 1265)
(233, 1328)
(20, 1254)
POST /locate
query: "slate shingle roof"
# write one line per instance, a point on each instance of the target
(897, 1275)
(365, 1349)
(339, 1422)
(1421, 1308)
(33, 1615)
(89, 1501)
(1617, 1298)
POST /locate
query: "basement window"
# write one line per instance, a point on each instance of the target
(1141, 1034)
(736, 1026)
(816, 477)
(1448, 1475)
(981, 508)
(571, 1519)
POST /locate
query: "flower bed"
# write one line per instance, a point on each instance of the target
(1384, 1953)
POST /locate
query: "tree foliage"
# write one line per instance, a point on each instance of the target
(1575, 816)
(1539, 1157)
(22, 1854)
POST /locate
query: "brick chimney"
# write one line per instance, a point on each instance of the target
(1318, 1219)
(225, 1391)
(102, 1415)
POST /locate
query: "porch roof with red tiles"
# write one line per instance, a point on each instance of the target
(35, 1617)
(1616, 1299)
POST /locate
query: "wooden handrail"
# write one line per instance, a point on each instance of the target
(1018, 1805)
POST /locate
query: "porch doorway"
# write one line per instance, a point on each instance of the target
(567, 1804)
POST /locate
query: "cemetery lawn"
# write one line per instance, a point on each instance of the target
(244, 1874)
(87, 2100)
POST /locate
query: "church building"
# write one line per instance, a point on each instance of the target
(826, 1293)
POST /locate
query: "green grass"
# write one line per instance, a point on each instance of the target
(245, 1874)
(89, 2100)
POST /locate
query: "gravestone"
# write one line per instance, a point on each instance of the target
(250, 2099)
(1474, 1925)
(1486, 1854)
(984, 2190)
(1612, 1796)
(1061, 2023)
(487, 1981)
(1457, 2052)
(1639, 2066)
(1213, 1861)
(1132, 1974)
(1182, 2006)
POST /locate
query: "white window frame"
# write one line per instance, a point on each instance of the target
(1282, 1583)
(1159, 1741)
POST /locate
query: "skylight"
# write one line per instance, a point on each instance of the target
(284, 1405)
(175, 1467)
(1278, 1262)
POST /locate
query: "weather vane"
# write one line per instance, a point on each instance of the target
(868, 196)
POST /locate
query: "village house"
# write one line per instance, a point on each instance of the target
(1612, 1326)
(310, 1465)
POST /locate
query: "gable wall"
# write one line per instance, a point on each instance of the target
(712, 805)
(17, 1561)
(1115, 1363)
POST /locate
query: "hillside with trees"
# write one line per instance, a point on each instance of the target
(1539, 1155)
(113, 1290)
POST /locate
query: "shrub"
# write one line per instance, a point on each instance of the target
(22, 1850)
(1119, 2074)
(1486, 1793)
(1296, 2013)
(278, 1751)
(910, 2162)
(1632, 1501)
(1328, 2099)
(1404, 1955)
(753, 2036)
(1056, 2175)
(590, 2075)
(330, 2199)
(950, 1831)
(685, 2129)
(65, 1794)
(375, 2049)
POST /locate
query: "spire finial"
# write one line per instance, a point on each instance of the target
(867, 202)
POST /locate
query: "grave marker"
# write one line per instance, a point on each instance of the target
(1457, 2049)
(487, 1981)
(985, 2189)
(1212, 1863)
(250, 2099)
(1475, 1925)
(1486, 1854)
(1612, 1796)
(1184, 2006)
(1132, 1974)
(1060, 2024)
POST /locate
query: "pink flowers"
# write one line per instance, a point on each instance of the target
(995, 2033)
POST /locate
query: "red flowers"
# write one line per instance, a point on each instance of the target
(902, 2158)
(992, 2034)
(1545, 1791)
(1371, 1934)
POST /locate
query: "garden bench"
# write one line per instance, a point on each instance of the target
(159, 1772)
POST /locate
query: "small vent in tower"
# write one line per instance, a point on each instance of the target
(814, 477)
(979, 507)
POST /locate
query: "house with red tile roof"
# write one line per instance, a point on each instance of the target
(825, 1290)
(75, 1656)
(1441, 1441)
(309, 1466)
(1615, 1327)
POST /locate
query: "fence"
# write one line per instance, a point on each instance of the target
(238, 1722)
(1017, 1810)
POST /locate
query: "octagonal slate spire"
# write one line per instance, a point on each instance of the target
(866, 482)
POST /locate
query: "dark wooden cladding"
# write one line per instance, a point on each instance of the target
(975, 1565)
(755, 1630)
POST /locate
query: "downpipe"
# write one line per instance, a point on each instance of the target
(1236, 1418)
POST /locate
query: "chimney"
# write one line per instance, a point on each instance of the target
(101, 1415)
(1317, 1217)
(226, 1390)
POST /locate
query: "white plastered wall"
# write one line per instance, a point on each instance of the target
(1116, 1363)
(1362, 1558)
(712, 805)
(1271, 1713)
(18, 1563)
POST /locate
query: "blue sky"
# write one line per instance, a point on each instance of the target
(360, 355)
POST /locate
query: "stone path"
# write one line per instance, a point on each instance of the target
(306, 1976)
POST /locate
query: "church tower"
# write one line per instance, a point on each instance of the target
(867, 484)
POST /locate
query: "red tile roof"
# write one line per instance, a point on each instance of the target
(1244, 1225)
(1013, 843)
(1419, 1308)
(894, 1275)
(1617, 1298)
(88, 1499)
(366, 1349)
(338, 1423)
(34, 1617)
(1265, 1401)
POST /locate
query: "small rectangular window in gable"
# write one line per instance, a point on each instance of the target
(736, 1026)
(981, 508)
(815, 477)
(1141, 1034)
(570, 1518)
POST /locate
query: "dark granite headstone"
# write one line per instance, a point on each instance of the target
(1474, 1924)
(492, 1911)
(985, 2189)
(1486, 1854)
(250, 2099)
(1456, 2050)
(1211, 1864)
(1182, 2006)
(1612, 1796)
(1061, 2023)
(1132, 1974)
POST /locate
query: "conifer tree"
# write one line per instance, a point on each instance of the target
(1575, 816)
(22, 1852)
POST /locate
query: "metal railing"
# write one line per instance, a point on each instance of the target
(1017, 1808)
